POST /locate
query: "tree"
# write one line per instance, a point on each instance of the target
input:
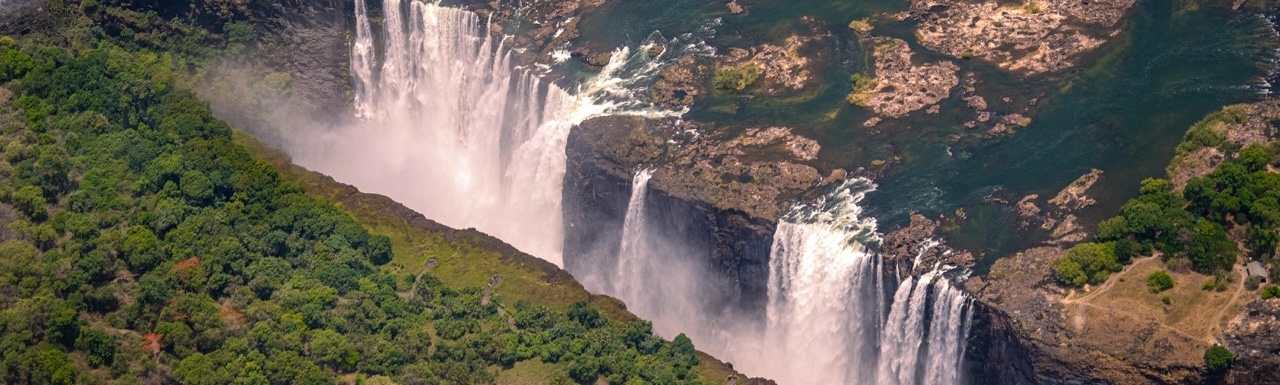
(1086, 263)
(142, 250)
(1211, 249)
(1218, 358)
(379, 250)
(586, 315)
(328, 348)
(1159, 281)
(99, 347)
(30, 201)
(197, 188)
(682, 351)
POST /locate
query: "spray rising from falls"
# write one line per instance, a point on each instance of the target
(827, 299)
(831, 317)
(453, 129)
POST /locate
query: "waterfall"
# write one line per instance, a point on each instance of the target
(653, 276)
(633, 267)
(827, 316)
(452, 128)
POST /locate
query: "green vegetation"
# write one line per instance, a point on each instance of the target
(861, 26)
(863, 89)
(142, 244)
(1202, 225)
(737, 79)
(1086, 263)
(1032, 7)
(1159, 281)
(1271, 291)
(1211, 131)
(1218, 358)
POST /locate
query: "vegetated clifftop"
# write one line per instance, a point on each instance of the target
(1030, 329)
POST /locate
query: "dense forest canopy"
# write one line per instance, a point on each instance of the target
(140, 244)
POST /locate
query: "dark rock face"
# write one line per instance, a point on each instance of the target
(316, 34)
(731, 246)
(21, 16)
(996, 354)
(1255, 340)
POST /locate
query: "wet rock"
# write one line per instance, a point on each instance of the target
(976, 102)
(782, 68)
(712, 192)
(735, 8)
(681, 83)
(544, 25)
(1033, 37)
(1073, 196)
(755, 172)
(917, 248)
(18, 17)
(900, 86)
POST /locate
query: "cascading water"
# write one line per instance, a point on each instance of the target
(632, 267)
(451, 128)
(827, 320)
(652, 275)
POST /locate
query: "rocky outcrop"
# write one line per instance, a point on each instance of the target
(782, 68)
(901, 86)
(916, 248)
(1032, 37)
(1024, 334)
(708, 193)
(19, 17)
(681, 83)
(1254, 338)
(308, 40)
(1058, 214)
(1240, 125)
(539, 27)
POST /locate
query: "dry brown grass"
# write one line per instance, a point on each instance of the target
(1124, 319)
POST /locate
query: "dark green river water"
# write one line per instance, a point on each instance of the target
(1123, 110)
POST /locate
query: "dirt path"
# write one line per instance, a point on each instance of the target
(414, 288)
(1110, 282)
(1217, 318)
(1216, 321)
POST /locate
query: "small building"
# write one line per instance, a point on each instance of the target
(1257, 270)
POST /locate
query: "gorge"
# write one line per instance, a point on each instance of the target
(465, 135)
(897, 192)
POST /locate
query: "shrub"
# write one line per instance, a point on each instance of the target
(863, 88)
(1252, 283)
(1159, 281)
(737, 79)
(1218, 358)
(1270, 292)
(1166, 300)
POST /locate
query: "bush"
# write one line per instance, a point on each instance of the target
(737, 79)
(1086, 263)
(1270, 292)
(863, 88)
(1218, 358)
(1159, 281)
